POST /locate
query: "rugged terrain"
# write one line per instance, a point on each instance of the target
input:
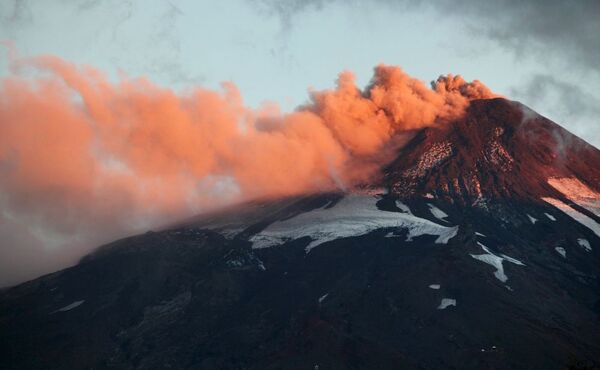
(479, 249)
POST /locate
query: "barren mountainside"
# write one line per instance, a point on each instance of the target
(480, 249)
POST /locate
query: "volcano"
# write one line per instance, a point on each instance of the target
(477, 248)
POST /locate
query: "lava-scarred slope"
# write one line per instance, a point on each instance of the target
(499, 150)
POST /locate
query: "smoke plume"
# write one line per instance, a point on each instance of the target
(84, 159)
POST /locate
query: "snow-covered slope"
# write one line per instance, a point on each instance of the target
(353, 215)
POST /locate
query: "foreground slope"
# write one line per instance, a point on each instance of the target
(482, 252)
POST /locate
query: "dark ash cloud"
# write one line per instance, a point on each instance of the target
(565, 30)
(562, 30)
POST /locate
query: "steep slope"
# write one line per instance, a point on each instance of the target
(500, 149)
(483, 253)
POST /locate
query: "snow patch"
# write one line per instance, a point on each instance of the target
(512, 260)
(437, 213)
(444, 235)
(585, 244)
(354, 215)
(446, 302)
(322, 298)
(235, 263)
(261, 265)
(577, 216)
(552, 218)
(577, 192)
(480, 234)
(243, 259)
(473, 186)
(533, 220)
(231, 233)
(498, 155)
(434, 156)
(434, 286)
(496, 261)
(403, 207)
(561, 251)
(70, 306)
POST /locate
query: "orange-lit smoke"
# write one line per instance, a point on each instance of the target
(79, 152)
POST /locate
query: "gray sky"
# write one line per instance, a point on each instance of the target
(543, 53)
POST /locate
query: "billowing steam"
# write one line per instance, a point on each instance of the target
(83, 159)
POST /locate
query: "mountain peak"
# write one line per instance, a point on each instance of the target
(499, 149)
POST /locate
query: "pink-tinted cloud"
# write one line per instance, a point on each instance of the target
(81, 155)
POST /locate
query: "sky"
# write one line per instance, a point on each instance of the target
(545, 54)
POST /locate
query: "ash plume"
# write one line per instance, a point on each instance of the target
(84, 159)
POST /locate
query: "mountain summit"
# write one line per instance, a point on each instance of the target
(500, 149)
(478, 249)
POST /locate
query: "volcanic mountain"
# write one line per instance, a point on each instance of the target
(479, 248)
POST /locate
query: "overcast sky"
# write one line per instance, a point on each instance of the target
(543, 53)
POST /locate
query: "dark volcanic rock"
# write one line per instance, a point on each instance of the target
(499, 150)
(199, 296)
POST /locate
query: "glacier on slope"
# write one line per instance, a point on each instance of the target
(354, 215)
